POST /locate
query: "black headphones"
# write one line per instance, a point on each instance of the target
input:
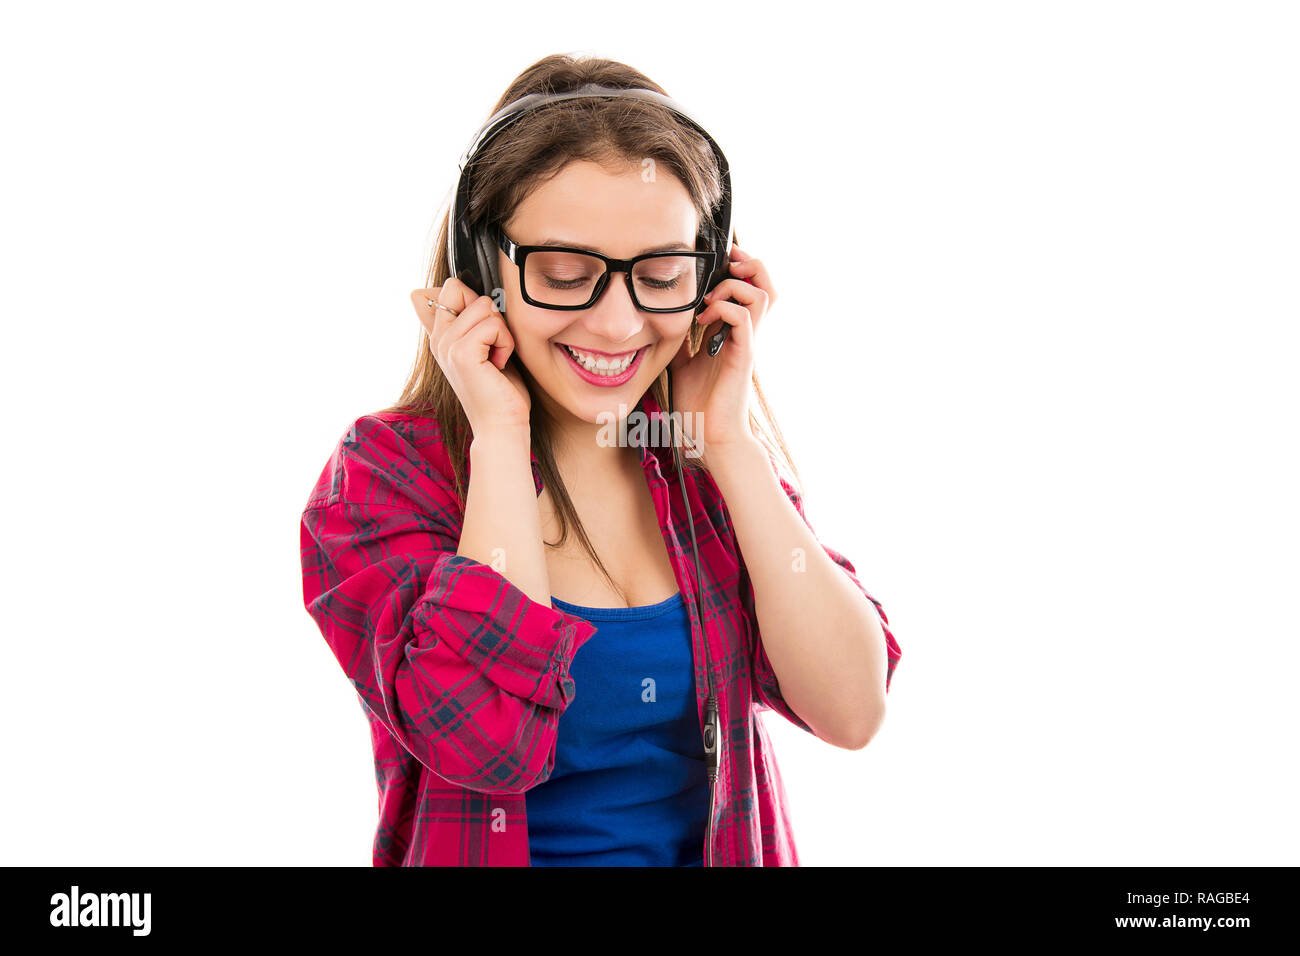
(472, 256)
(472, 252)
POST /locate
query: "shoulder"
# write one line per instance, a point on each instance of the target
(386, 458)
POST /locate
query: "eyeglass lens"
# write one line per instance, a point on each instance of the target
(570, 278)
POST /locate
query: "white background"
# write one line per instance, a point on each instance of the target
(1034, 356)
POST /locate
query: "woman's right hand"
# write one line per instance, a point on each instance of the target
(472, 348)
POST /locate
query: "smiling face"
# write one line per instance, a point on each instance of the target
(616, 213)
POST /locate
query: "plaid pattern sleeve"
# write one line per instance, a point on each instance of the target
(767, 690)
(465, 671)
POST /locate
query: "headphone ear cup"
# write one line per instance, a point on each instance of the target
(461, 242)
(708, 243)
(720, 247)
(485, 252)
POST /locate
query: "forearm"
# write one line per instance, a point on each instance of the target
(821, 634)
(502, 527)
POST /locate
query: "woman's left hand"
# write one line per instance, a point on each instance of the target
(716, 388)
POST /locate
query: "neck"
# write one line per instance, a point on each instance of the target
(577, 444)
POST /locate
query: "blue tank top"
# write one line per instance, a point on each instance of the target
(629, 786)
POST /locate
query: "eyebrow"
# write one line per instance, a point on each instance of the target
(666, 247)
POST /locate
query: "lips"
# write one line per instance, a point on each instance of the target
(594, 376)
(600, 352)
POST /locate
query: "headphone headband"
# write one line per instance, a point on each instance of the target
(472, 253)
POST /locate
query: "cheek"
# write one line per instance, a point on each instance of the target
(534, 328)
(674, 327)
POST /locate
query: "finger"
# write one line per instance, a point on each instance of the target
(487, 339)
(446, 326)
(423, 300)
(746, 294)
(750, 295)
(755, 272)
(456, 295)
(737, 316)
(426, 302)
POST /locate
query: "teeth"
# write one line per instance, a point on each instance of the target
(601, 366)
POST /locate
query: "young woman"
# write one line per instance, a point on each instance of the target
(536, 697)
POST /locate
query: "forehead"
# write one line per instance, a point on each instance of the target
(617, 210)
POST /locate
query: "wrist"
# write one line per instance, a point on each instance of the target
(507, 439)
(734, 460)
(512, 432)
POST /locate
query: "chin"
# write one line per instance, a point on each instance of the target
(590, 409)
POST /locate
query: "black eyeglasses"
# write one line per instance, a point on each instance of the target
(553, 277)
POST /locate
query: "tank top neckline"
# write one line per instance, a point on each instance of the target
(640, 613)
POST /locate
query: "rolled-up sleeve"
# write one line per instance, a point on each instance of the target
(464, 669)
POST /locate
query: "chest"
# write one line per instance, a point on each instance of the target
(622, 525)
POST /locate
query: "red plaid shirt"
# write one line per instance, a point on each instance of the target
(463, 677)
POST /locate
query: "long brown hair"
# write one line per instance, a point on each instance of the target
(531, 150)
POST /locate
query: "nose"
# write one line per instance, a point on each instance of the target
(615, 317)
